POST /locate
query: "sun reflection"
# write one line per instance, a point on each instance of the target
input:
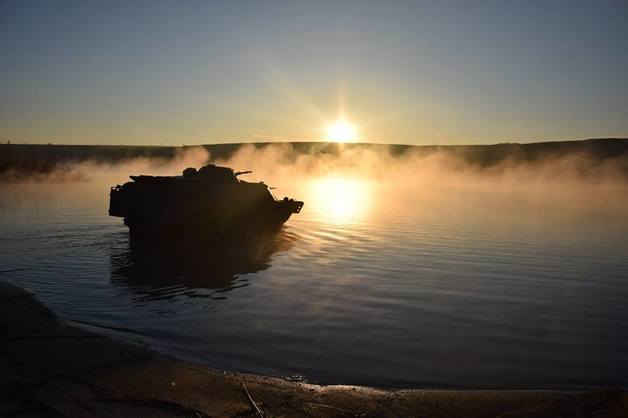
(340, 199)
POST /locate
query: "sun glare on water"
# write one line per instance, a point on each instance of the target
(340, 199)
(341, 131)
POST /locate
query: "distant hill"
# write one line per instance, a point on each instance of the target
(19, 160)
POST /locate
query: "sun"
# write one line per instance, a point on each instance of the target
(341, 131)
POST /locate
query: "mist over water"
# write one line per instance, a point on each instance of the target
(411, 270)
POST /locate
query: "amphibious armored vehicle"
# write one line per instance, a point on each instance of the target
(211, 199)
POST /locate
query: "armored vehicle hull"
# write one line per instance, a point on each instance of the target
(212, 200)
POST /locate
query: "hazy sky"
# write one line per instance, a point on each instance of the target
(173, 72)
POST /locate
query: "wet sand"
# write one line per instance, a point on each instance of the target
(51, 368)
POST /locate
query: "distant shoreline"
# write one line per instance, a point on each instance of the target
(23, 160)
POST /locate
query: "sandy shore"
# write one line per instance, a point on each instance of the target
(50, 368)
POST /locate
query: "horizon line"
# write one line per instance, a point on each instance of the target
(298, 141)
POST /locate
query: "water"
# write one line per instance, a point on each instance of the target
(373, 283)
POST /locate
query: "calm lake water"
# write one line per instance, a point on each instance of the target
(373, 283)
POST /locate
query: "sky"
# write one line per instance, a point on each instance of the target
(412, 72)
